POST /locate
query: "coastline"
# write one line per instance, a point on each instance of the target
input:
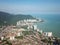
(51, 23)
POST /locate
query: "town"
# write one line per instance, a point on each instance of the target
(25, 32)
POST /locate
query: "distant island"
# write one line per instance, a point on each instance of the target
(11, 19)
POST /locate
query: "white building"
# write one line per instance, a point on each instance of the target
(19, 33)
(35, 27)
(31, 20)
(18, 23)
(49, 34)
(2, 38)
(12, 38)
(41, 31)
(30, 27)
(24, 22)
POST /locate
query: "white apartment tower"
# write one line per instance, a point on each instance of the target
(35, 27)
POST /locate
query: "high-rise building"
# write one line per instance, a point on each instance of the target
(35, 27)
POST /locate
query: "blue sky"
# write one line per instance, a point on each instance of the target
(30, 6)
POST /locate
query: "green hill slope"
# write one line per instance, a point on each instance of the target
(8, 19)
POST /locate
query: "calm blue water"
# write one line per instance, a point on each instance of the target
(51, 23)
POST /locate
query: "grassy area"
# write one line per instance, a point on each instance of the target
(27, 32)
(19, 37)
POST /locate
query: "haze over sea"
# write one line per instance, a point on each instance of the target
(51, 23)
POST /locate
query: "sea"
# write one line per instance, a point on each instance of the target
(51, 23)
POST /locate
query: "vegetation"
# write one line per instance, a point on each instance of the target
(8, 19)
(6, 42)
(39, 32)
(27, 32)
(19, 37)
(25, 27)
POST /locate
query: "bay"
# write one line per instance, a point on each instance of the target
(51, 23)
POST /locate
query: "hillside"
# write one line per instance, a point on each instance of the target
(8, 19)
